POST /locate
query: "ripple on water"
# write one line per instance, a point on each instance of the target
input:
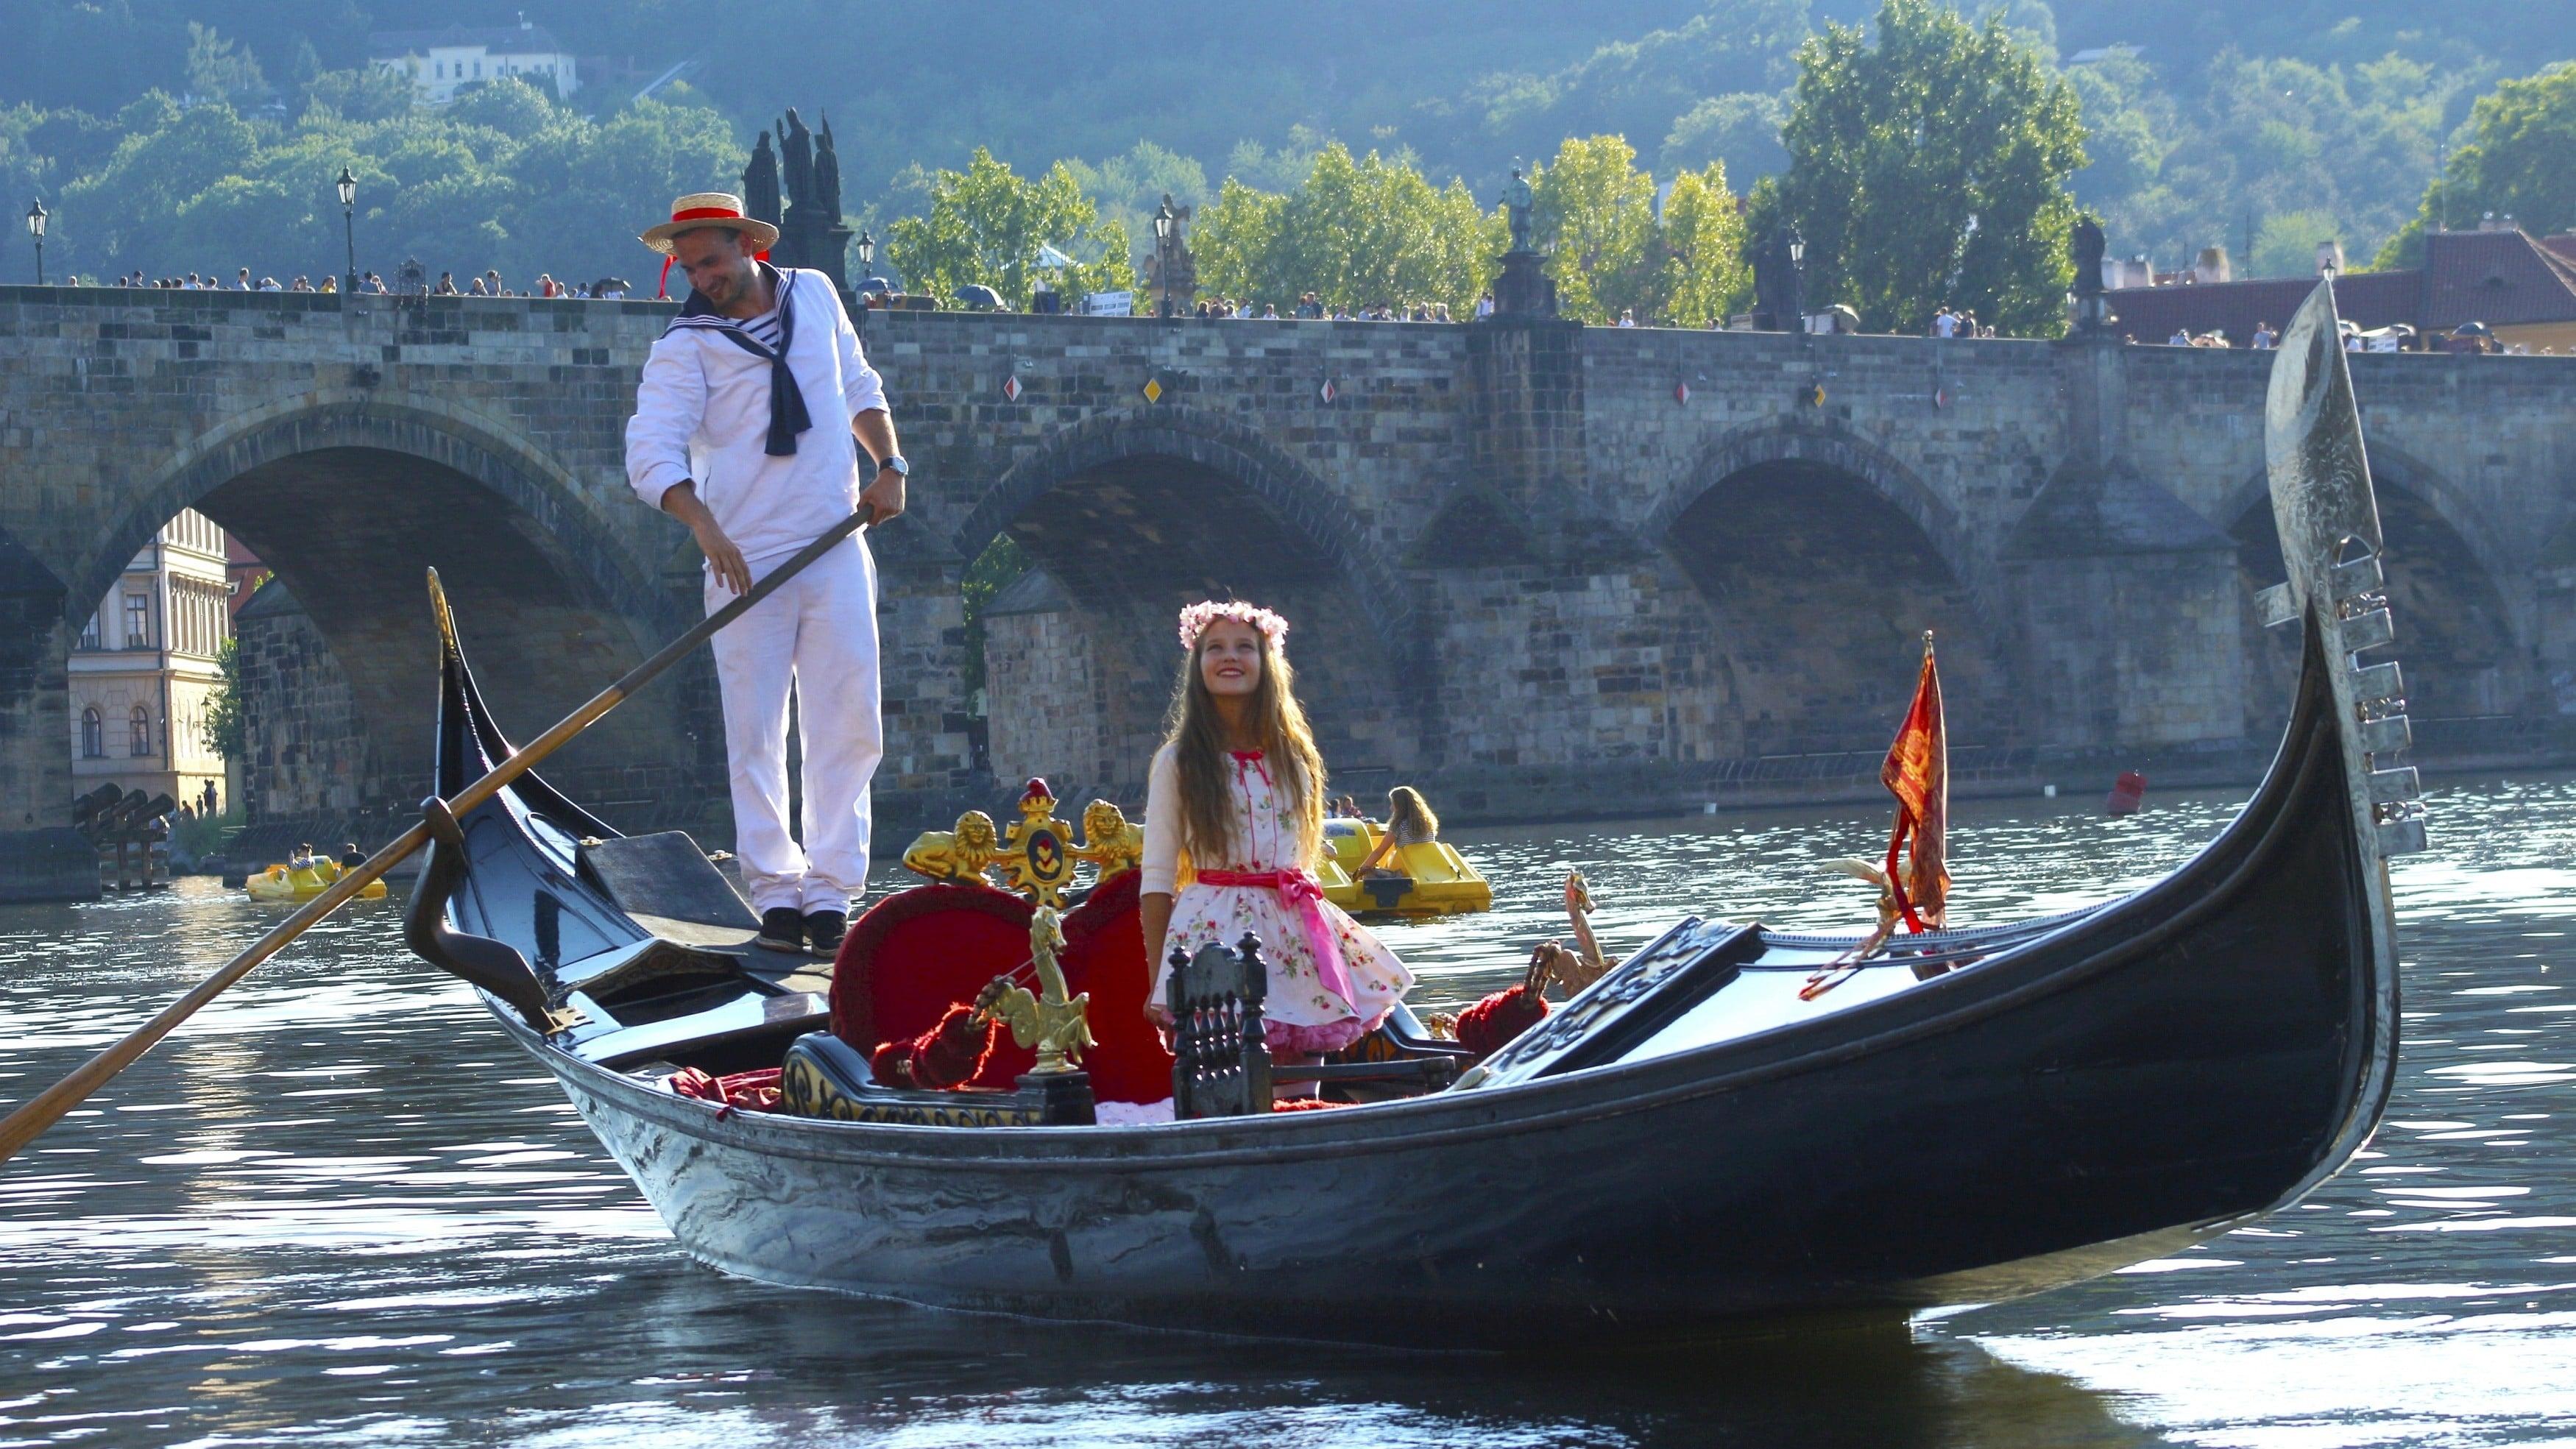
(336, 1209)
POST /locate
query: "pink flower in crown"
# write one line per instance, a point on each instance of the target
(1196, 618)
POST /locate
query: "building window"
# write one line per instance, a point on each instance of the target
(93, 735)
(138, 621)
(138, 733)
(89, 632)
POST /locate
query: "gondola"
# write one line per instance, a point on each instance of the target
(1683, 1148)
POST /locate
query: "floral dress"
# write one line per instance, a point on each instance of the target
(1331, 980)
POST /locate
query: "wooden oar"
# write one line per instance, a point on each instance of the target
(29, 1122)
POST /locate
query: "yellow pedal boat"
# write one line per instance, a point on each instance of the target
(1431, 880)
(302, 879)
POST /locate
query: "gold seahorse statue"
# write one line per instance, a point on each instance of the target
(1057, 1026)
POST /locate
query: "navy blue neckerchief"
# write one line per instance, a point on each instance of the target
(787, 415)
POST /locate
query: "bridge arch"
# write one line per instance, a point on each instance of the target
(1820, 559)
(348, 497)
(2461, 637)
(1128, 515)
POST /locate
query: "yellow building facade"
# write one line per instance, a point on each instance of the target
(146, 666)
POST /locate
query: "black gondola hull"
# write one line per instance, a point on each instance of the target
(2096, 1098)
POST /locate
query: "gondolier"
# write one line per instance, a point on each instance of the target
(724, 438)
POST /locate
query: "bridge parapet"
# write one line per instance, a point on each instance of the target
(1514, 551)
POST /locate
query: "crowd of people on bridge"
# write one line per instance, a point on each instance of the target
(489, 284)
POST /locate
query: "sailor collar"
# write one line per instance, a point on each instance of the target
(787, 414)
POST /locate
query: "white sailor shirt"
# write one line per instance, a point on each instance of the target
(702, 414)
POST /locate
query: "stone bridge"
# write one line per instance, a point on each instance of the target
(1547, 568)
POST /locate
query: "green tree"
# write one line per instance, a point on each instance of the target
(1703, 275)
(2519, 161)
(227, 728)
(1896, 146)
(1129, 187)
(1356, 232)
(1593, 211)
(1741, 130)
(986, 224)
(218, 70)
(1594, 214)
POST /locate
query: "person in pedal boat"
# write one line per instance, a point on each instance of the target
(1234, 820)
(1409, 821)
(725, 439)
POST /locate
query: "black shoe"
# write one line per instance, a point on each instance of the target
(782, 928)
(825, 929)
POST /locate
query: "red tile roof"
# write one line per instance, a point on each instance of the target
(2499, 277)
(2367, 299)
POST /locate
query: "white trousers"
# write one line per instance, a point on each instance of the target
(817, 637)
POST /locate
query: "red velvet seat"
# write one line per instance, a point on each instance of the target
(916, 953)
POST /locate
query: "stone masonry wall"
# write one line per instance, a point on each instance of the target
(1535, 553)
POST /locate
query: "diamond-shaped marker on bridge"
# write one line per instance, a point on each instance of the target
(1011, 388)
(1328, 392)
(1153, 389)
(1681, 392)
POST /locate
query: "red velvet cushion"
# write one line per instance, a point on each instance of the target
(1104, 954)
(916, 953)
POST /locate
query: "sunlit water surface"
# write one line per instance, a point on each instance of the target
(338, 1208)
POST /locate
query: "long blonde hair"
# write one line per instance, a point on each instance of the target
(1195, 734)
(1405, 806)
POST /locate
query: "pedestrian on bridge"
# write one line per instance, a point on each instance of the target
(723, 440)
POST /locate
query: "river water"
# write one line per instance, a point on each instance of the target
(337, 1208)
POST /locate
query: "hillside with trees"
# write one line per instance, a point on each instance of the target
(192, 135)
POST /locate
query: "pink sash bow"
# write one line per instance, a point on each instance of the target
(1298, 891)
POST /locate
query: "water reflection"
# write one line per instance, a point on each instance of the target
(337, 1208)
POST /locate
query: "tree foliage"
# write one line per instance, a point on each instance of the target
(505, 178)
(986, 223)
(227, 728)
(1897, 143)
(1593, 211)
(1356, 231)
(2519, 161)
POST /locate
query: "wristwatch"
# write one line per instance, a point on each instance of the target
(895, 462)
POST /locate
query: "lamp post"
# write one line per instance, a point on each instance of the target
(348, 185)
(36, 229)
(1797, 281)
(1163, 220)
(867, 271)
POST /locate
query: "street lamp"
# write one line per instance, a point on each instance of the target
(348, 185)
(36, 229)
(1163, 219)
(867, 253)
(1796, 289)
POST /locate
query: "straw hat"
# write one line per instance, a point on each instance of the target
(709, 208)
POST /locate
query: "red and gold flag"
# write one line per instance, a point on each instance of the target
(1917, 773)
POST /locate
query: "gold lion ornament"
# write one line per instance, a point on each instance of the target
(957, 856)
(1109, 841)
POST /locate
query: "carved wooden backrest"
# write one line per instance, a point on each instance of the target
(1220, 1062)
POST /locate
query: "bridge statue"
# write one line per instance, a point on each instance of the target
(827, 175)
(1517, 206)
(760, 183)
(2092, 309)
(796, 146)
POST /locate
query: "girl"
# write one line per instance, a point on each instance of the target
(1409, 821)
(1234, 816)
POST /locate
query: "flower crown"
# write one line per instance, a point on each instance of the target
(1196, 618)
